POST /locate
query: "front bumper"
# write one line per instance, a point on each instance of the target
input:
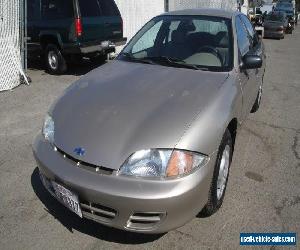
(273, 34)
(139, 205)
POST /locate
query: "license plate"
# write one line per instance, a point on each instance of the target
(67, 198)
(105, 44)
(64, 195)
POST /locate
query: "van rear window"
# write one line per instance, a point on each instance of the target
(92, 8)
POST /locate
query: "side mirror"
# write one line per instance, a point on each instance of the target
(251, 62)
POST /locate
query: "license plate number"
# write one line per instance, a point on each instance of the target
(68, 198)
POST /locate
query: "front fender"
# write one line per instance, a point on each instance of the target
(206, 131)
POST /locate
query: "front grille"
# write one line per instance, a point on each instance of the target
(97, 212)
(144, 221)
(85, 165)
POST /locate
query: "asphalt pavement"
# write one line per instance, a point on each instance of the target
(264, 186)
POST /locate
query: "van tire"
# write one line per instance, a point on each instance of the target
(55, 62)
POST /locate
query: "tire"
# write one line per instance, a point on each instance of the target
(256, 105)
(216, 193)
(55, 62)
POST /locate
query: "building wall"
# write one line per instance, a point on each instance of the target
(184, 4)
(136, 13)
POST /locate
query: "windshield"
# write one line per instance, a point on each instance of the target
(197, 42)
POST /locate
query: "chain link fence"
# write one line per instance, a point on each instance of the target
(11, 43)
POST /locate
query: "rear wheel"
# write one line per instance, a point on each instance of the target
(55, 62)
(220, 176)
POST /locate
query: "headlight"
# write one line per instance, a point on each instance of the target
(162, 163)
(48, 129)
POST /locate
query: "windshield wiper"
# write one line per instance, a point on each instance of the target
(132, 58)
(165, 60)
(173, 61)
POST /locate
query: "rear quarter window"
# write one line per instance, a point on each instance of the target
(89, 8)
(109, 8)
(94, 8)
(57, 9)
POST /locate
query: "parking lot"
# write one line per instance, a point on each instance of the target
(263, 193)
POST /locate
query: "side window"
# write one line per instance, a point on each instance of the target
(57, 9)
(242, 37)
(32, 5)
(148, 39)
(250, 29)
(248, 25)
(109, 8)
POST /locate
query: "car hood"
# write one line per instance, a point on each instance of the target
(123, 107)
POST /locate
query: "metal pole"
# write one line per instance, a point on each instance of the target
(25, 35)
(166, 5)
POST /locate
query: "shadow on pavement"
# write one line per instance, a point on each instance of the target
(77, 69)
(73, 222)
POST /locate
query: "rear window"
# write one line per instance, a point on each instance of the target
(94, 8)
(57, 9)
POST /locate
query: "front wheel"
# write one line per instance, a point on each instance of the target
(220, 176)
(55, 62)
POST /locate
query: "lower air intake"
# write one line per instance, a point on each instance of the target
(144, 221)
(97, 212)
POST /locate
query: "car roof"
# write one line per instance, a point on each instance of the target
(204, 12)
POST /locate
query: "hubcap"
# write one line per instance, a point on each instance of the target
(223, 172)
(52, 60)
